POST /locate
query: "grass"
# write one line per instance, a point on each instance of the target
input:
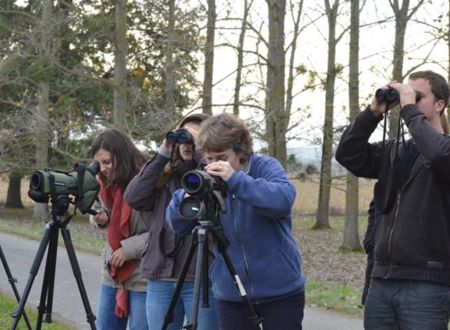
(341, 298)
(35, 230)
(8, 305)
(334, 278)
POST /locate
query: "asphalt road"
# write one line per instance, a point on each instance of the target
(67, 303)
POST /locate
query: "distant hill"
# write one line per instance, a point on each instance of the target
(313, 155)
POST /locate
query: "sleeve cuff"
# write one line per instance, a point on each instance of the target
(410, 111)
(164, 151)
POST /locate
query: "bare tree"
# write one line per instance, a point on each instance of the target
(240, 57)
(170, 86)
(290, 80)
(276, 118)
(402, 17)
(322, 218)
(209, 58)
(351, 235)
(42, 115)
(120, 105)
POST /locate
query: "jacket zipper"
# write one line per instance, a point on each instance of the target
(391, 232)
(241, 245)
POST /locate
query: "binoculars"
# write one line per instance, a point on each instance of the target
(390, 95)
(180, 136)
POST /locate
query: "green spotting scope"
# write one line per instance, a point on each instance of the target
(81, 183)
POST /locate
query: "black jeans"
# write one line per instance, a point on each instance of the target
(286, 314)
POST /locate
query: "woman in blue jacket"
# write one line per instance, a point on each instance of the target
(257, 224)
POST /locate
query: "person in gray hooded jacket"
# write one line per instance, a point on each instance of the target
(162, 264)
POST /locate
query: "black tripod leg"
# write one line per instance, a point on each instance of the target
(77, 273)
(201, 238)
(34, 270)
(254, 319)
(169, 315)
(205, 270)
(12, 281)
(46, 301)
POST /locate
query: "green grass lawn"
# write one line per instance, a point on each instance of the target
(9, 305)
(340, 298)
(34, 229)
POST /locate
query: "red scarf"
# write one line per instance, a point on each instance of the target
(118, 229)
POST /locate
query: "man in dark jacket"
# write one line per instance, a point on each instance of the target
(410, 287)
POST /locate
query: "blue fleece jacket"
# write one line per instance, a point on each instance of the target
(257, 224)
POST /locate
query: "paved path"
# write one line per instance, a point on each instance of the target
(67, 303)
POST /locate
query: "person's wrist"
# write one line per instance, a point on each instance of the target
(376, 112)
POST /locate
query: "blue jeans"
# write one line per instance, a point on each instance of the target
(107, 320)
(159, 296)
(406, 305)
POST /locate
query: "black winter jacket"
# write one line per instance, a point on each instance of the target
(412, 232)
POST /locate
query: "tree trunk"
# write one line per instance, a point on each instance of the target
(40, 210)
(120, 106)
(170, 86)
(240, 59)
(291, 68)
(276, 118)
(13, 196)
(209, 58)
(402, 17)
(350, 240)
(322, 218)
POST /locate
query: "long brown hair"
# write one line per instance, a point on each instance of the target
(126, 158)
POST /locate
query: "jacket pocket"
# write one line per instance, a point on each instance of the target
(420, 241)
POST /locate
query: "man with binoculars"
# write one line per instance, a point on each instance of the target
(151, 189)
(410, 279)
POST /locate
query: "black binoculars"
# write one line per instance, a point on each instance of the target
(391, 95)
(180, 136)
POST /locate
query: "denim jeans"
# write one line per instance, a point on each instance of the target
(107, 320)
(159, 296)
(406, 305)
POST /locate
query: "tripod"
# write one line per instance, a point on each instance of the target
(12, 281)
(200, 242)
(60, 204)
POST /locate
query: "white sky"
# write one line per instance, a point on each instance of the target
(376, 44)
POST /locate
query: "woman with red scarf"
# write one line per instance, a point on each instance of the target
(123, 291)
